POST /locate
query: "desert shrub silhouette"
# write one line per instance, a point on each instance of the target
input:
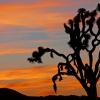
(83, 37)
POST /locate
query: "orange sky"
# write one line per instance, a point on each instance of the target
(27, 24)
(29, 14)
(36, 81)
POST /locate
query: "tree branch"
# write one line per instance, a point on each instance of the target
(57, 53)
(36, 55)
(60, 73)
(98, 77)
(80, 64)
(90, 59)
(97, 65)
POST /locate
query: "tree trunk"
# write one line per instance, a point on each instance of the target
(92, 92)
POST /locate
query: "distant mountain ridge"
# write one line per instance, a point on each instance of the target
(10, 94)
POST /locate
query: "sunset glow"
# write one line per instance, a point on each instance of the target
(26, 25)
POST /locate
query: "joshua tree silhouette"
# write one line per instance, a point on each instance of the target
(82, 38)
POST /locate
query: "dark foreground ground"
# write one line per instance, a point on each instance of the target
(9, 94)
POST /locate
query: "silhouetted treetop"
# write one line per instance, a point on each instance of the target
(80, 29)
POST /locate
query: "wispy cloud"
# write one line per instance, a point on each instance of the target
(44, 13)
(28, 73)
(15, 51)
(29, 14)
(16, 47)
(36, 81)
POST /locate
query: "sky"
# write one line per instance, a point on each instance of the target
(26, 25)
